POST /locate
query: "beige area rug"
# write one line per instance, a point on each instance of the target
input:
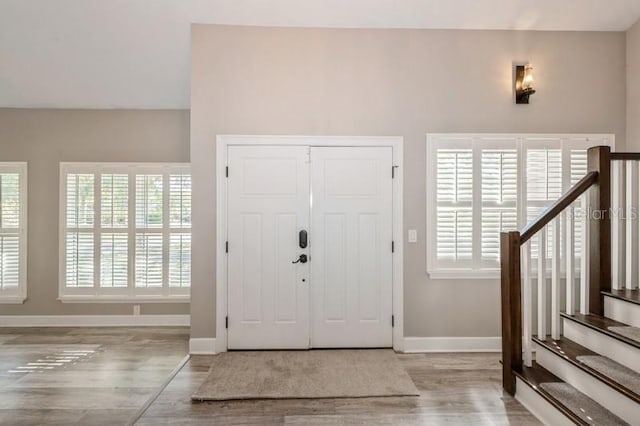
(306, 374)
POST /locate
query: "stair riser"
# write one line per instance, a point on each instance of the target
(606, 396)
(619, 310)
(602, 344)
(539, 407)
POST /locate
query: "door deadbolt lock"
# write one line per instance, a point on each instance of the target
(301, 259)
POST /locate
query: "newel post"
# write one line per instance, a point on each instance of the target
(511, 308)
(599, 211)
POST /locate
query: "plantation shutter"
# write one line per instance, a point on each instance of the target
(543, 185)
(148, 260)
(149, 244)
(114, 200)
(114, 238)
(10, 231)
(80, 235)
(454, 198)
(499, 199)
(180, 260)
(127, 230)
(180, 200)
(482, 185)
(578, 170)
(179, 240)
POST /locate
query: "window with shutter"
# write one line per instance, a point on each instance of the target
(480, 185)
(139, 247)
(180, 222)
(578, 171)
(13, 232)
(499, 199)
(454, 194)
(543, 181)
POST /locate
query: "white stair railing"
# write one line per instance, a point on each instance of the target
(625, 224)
(618, 207)
(631, 224)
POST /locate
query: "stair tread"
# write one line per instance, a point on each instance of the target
(578, 409)
(534, 376)
(628, 331)
(631, 296)
(581, 405)
(602, 325)
(586, 360)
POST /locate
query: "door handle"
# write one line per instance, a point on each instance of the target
(301, 259)
(302, 239)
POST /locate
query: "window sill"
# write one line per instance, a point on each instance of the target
(125, 299)
(453, 274)
(12, 300)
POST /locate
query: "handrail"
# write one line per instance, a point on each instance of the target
(598, 184)
(557, 207)
(625, 156)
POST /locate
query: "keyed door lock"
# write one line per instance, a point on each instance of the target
(301, 259)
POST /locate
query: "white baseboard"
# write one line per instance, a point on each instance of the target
(452, 344)
(202, 346)
(93, 320)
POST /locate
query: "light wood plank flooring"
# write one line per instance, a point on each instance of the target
(92, 376)
(84, 376)
(455, 389)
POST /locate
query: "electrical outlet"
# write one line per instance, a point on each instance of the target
(413, 236)
(136, 310)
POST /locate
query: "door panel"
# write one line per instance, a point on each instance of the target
(351, 235)
(268, 204)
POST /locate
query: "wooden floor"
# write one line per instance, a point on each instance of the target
(108, 374)
(462, 389)
(85, 376)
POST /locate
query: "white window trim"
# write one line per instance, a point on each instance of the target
(487, 274)
(130, 294)
(19, 295)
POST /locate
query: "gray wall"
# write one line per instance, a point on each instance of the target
(251, 80)
(44, 138)
(633, 88)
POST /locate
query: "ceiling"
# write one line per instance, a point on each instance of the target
(135, 53)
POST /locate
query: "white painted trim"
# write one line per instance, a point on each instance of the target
(619, 310)
(124, 299)
(606, 396)
(224, 141)
(449, 274)
(538, 406)
(602, 344)
(94, 320)
(12, 300)
(202, 346)
(452, 344)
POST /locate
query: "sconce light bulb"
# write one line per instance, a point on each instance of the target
(527, 81)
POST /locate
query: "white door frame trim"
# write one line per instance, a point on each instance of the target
(224, 141)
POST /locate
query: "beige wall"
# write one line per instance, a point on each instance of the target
(633, 88)
(251, 80)
(44, 138)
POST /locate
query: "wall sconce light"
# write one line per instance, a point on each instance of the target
(524, 83)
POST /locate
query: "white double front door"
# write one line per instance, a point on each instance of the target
(341, 198)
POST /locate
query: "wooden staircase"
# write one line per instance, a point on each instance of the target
(571, 329)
